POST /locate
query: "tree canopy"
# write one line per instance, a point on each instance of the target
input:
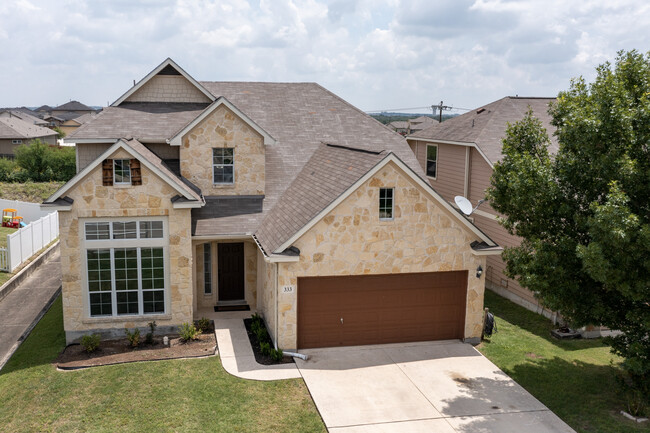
(584, 213)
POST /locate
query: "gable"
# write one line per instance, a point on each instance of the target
(222, 128)
(420, 224)
(168, 82)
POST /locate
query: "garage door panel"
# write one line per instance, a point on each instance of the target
(381, 308)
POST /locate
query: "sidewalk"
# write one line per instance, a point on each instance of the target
(21, 309)
(235, 350)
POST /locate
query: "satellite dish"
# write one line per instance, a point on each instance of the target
(464, 205)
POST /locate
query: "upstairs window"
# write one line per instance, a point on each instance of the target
(432, 160)
(386, 204)
(223, 166)
(121, 172)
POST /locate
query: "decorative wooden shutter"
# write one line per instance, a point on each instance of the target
(136, 177)
(107, 172)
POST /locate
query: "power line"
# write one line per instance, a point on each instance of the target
(414, 108)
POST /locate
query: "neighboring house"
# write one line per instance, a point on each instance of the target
(411, 126)
(69, 126)
(458, 156)
(24, 114)
(14, 131)
(69, 109)
(279, 196)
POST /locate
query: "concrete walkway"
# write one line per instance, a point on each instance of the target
(21, 309)
(445, 387)
(235, 350)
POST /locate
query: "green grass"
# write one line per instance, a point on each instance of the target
(34, 192)
(573, 378)
(4, 231)
(164, 396)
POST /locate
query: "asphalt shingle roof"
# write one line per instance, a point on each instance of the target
(486, 126)
(72, 106)
(13, 127)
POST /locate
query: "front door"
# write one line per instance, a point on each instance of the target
(231, 271)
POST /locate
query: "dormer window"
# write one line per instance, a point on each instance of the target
(121, 171)
(223, 166)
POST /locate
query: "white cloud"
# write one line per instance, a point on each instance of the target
(375, 53)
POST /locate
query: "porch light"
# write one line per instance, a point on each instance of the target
(479, 271)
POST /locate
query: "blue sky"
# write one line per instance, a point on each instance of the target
(377, 54)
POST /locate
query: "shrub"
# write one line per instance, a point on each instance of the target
(133, 337)
(265, 348)
(33, 158)
(203, 324)
(90, 342)
(62, 162)
(188, 332)
(276, 354)
(7, 169)
(256, 318)
(149, 337)
(261, 333)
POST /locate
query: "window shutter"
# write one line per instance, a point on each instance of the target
(136, 177)
(107, 172)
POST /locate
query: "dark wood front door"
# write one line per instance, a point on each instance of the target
(231, 271)
(379, 309)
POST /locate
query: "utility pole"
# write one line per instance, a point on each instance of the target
(439, 109)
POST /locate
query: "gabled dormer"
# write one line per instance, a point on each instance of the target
(167, 83)
(222, 151)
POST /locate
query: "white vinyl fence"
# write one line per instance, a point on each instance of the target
(29, 240)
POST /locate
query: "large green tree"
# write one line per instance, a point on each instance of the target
(584, 212)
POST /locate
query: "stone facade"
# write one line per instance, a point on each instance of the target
(168, 88)
(223, 129)
(250, 273)
(350, 240)
(93, 200)
(89, 152)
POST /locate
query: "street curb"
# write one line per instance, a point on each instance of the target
(28, 270)
(30, 328)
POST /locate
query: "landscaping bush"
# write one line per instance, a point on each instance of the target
(203, 324)
(265, 348)
(188, 332)
(90, 342)
(276, 354)
(149, 337)
(133, 337)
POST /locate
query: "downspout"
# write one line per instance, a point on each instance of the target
(275, 340)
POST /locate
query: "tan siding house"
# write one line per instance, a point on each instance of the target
(468, 146)
(193, 196)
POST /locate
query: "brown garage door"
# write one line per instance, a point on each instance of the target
(378, 309)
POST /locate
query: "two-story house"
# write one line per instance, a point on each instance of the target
(458, 156)
(280, 197)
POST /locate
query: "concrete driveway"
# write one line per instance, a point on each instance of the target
(440, 387)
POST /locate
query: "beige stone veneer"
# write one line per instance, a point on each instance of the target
(351, 240)
(223, 129)
(93, 200)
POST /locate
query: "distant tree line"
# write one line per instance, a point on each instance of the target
(39, 162)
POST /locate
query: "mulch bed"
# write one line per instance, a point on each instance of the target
(255, 345)
(119, 351)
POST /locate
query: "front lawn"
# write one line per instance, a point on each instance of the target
(179, 395)
(574, 378)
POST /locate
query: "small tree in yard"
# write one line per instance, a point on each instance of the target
(34, 159)
(584, 214)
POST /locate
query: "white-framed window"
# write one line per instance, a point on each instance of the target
(16, 141)
(432, 160)
(223, 166)
(121, 171)
(386, 202)
(207, 269)
(126, 266)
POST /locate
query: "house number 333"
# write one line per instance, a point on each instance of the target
(288, 289)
